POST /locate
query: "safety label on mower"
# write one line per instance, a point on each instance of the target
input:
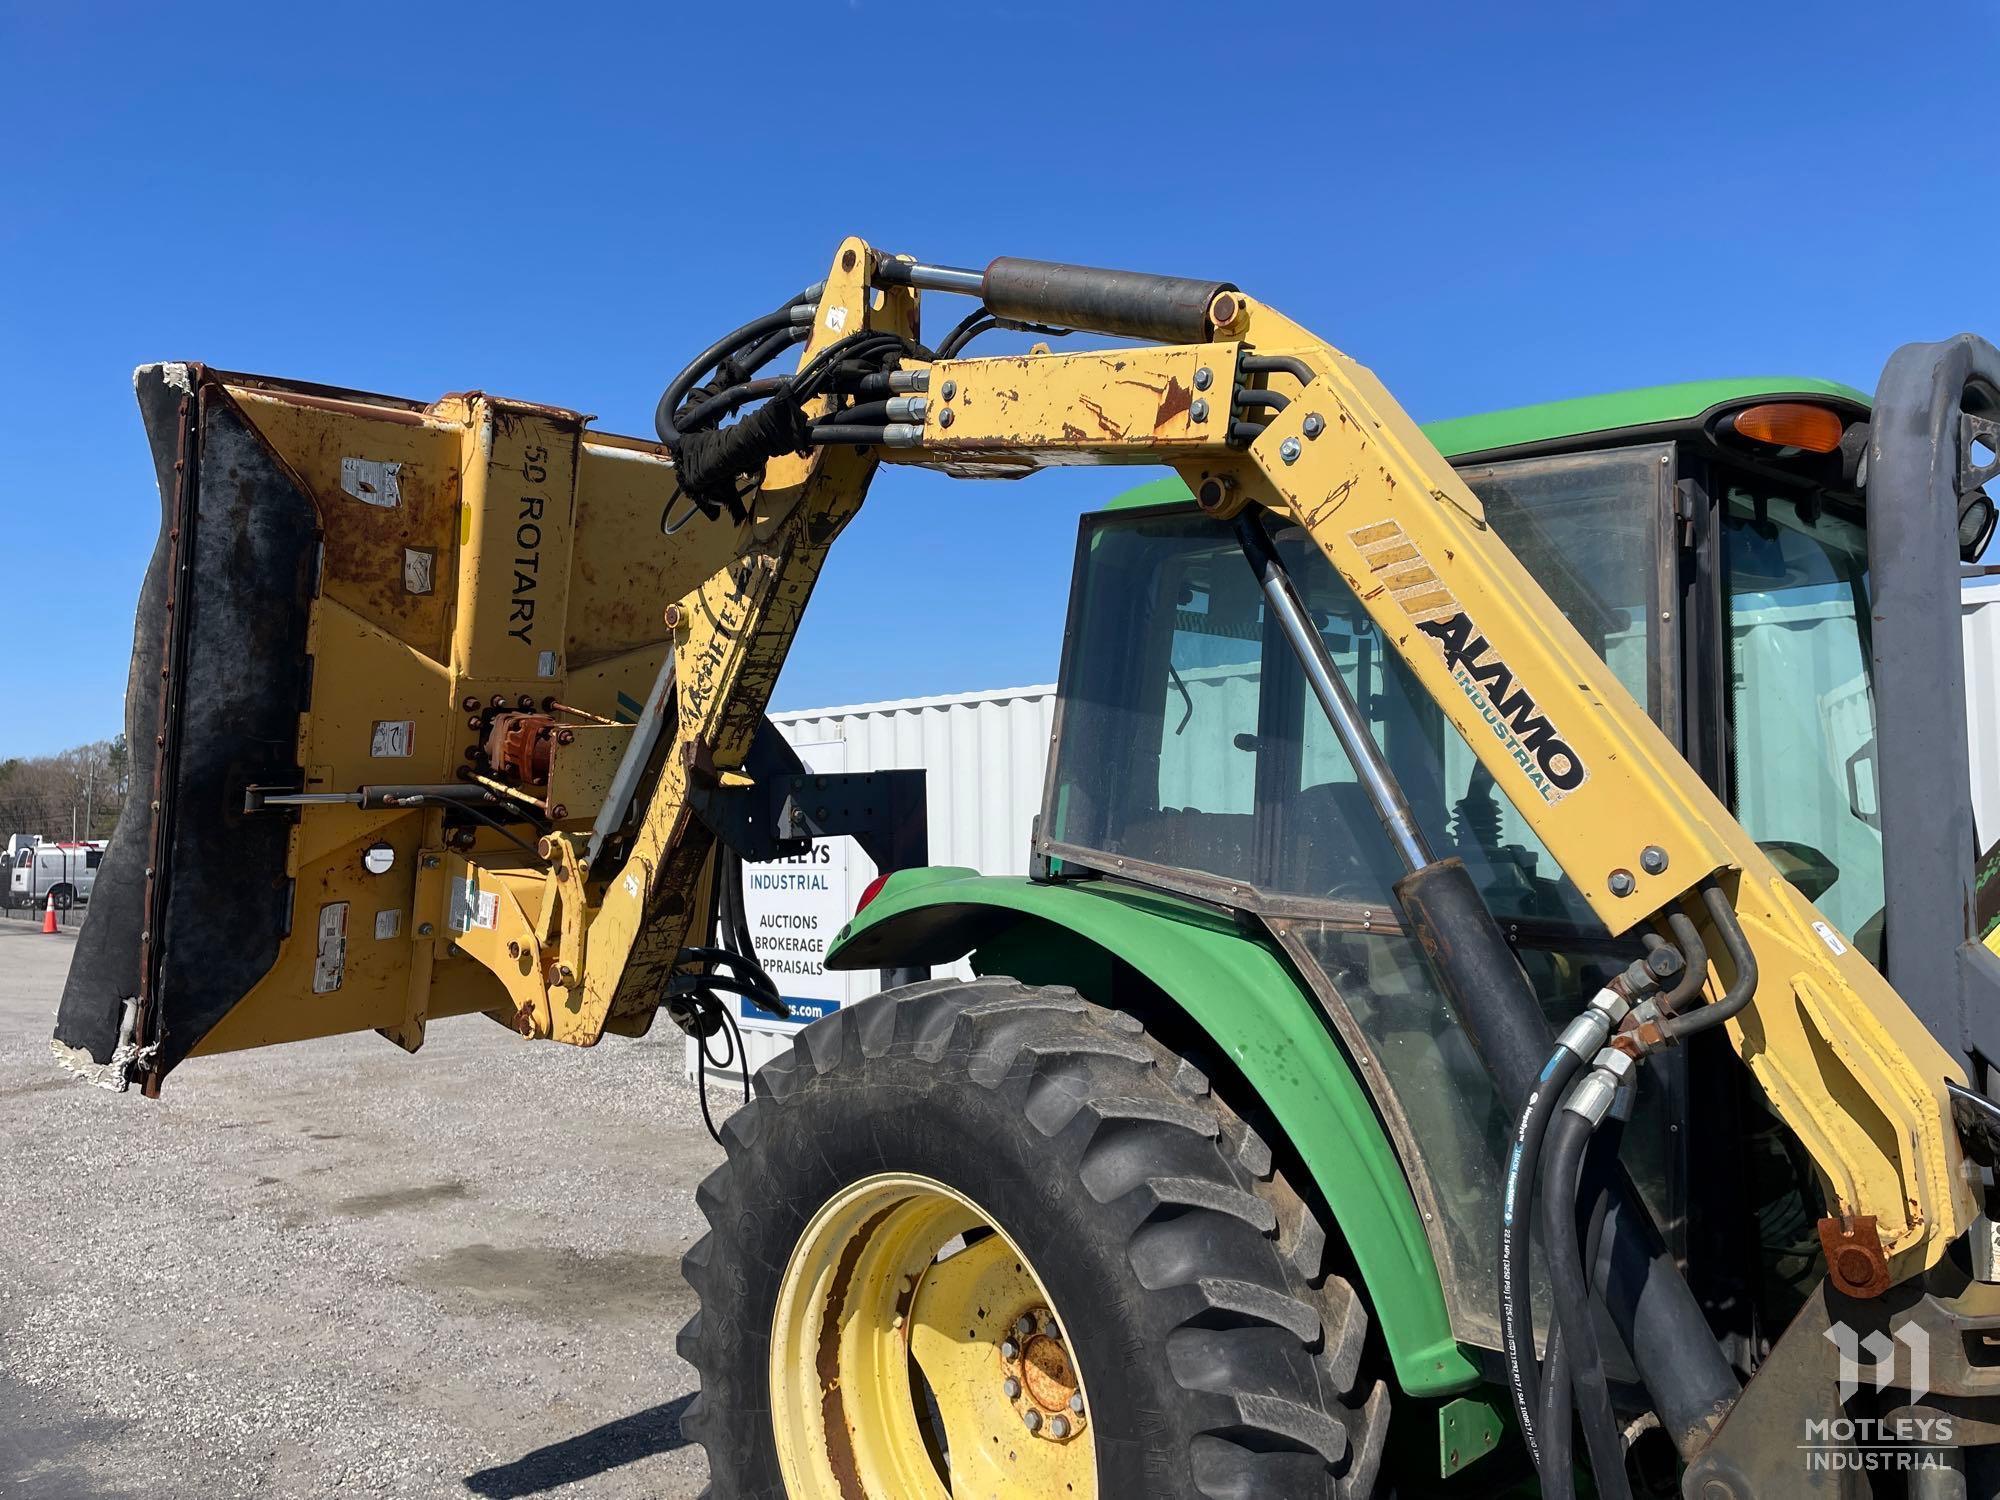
(373, 481)
(471, 907)
(330, 960)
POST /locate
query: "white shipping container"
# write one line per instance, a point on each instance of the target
(984, 755)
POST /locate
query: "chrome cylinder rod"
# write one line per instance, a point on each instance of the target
(1385, 793)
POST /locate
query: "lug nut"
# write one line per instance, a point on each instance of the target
(1076, 1403)
(1034, 1420)
(1025, 1328)
(1012, 1387)
(1059, 1427)
(1009, 1350)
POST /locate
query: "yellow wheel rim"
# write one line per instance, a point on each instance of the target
(916, 1356)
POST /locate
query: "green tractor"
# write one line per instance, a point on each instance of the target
(1205, 1113)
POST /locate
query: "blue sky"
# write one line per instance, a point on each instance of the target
(1490, 205)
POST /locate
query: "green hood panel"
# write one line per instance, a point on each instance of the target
(1244, 996)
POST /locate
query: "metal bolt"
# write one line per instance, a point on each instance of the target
(565, 736)
(425, 930)
(1622, 883)
(1059, 1427)
(1199, 410)
(1033, 1419)
(950, 389)
(946, 417)
(1203, 377)
(430, 861)
(1025, 1327)
(471, 702)
(559, 812)
(1076, 1403)
(1314, 425)
(499, 700)
(1289, 450)
(1652, 859)
(673, 616)
(1009, 1349)
(1012, 1387)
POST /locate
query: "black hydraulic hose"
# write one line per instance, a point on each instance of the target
(1569, 1137)
(1741, 958)
(862, 414)
(678, 388)
(1558, 1410)
(1555, 1467)
(1517, 1215)
(1283, 364)
(1247, 432)
(838, 432)
(742, 366)
(723, 402)
(1687, 938)
(1268, 400)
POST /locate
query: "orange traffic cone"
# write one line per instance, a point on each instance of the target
(49, 915)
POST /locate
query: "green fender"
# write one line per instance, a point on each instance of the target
(1240, 991)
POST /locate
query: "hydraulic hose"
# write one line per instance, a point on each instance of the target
(678, 388)
(1579, 1042)
(1741, 958)
(1517, 1336)
(1569, 1137)
(1687, 938)
(1600, 1171)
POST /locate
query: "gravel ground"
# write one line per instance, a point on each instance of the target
(331, 1267)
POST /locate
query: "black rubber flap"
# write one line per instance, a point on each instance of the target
(217, 685)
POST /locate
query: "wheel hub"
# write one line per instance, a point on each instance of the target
(916, 1356)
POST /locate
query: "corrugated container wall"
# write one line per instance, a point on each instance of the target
(985, 755)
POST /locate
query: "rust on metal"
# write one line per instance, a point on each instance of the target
(1047, 1374)
(826, 1359)
(518, 744)
(1855, 1262)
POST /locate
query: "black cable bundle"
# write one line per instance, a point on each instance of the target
(708, 464)
(698, 1003)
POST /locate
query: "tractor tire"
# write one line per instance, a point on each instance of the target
(1214, 1356)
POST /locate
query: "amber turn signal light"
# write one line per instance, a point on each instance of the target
(1791, 424)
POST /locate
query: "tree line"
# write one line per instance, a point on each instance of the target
(73, 794)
